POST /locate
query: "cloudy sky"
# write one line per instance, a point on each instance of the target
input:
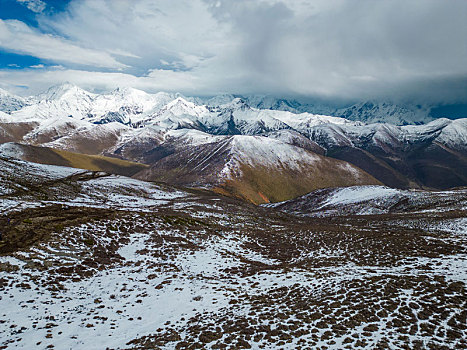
(336, 49)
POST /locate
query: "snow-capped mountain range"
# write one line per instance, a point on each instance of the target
(136, 109)
(134, 101)
(134, 125)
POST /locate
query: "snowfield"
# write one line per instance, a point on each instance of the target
(360, 194)
(368, 200)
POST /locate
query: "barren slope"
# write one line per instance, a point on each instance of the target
(254, 168)
(45, 155)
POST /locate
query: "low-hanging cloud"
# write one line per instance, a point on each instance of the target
(357, 49)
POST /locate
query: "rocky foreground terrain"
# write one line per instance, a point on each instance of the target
(90, 260)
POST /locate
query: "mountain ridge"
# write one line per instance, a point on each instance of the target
(133, 125)
(254, 168)
(368, 111)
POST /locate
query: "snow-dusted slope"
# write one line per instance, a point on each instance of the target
(295, 138)
(261, 151)
(256, 168)
(372, 200)
(4, 117)
(452, 133)
(98, 190)
(91, 261)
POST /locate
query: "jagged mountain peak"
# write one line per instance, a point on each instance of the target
(219, 100)
(65, 91)
(181, 106)
(238, 103)
(179, 100)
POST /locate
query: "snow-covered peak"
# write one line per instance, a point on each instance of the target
(271, 102)
(180, 101)
(65, 91)
(237, 103)
(126, 91)
(131, 95)
(454, 134)
(181, 106)
(127, 105)
(10, 102)
(60, 101)
(219, 100)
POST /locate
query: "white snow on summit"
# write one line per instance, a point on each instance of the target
(65, 110)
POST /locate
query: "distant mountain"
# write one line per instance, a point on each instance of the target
(10, 102)
(384, 112)
(127, 105)
(431, 155)
(367, 111)
(168, 129)
(396, 113)
(269, 102)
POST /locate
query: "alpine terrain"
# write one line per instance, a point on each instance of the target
(261, 155)
(132, 220)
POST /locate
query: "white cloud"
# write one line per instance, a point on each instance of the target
(16, 36)
(183, 31)
(34, 5)
(331, 48)
(157, 80)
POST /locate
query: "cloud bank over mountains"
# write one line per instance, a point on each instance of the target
(330, 49)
